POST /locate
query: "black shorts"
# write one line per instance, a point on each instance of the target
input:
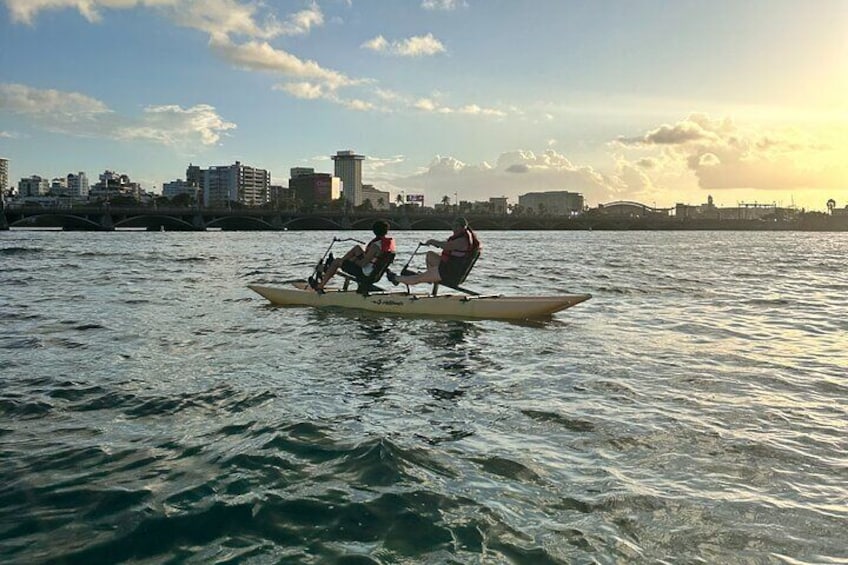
(352, 269)
(451, 271)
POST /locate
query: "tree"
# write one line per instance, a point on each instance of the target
(399, 199)
(381, 202)
(831, 204)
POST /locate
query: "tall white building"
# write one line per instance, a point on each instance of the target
(349, 168)
(77, 185)
(4, 175)
(235, 183)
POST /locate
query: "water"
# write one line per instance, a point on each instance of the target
(153, 409)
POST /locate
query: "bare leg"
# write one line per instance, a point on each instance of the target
(429, 276)
(355, 253)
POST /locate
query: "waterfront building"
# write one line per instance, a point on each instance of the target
(179, 186)
(557, 202)
(59, 186)
(4, 175)
(225, 184)
(310, 188)
(628, 209)
(380, 199)
(33, 186)
(348, 167)
(282, 196)
(77, 185)
(111, 184)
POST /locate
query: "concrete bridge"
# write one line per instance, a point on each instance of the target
(109, 218)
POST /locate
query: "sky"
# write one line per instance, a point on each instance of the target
(655, 101)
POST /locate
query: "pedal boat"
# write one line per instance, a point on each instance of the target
(463, 305)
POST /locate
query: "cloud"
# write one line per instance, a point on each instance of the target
(416, 46)
(171, 124)
(215, 17)
(724, 155)
(8, 135)
(445, 5)
(304, 90)
(514, 173)
(255, 55)
(22, 99)
(76, 114)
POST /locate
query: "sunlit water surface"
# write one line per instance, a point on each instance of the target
(153, 409)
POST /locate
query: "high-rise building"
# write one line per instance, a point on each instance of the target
(33, 186)
(349, 168)
(232, 183)
(309, 187)
(77, 185)
(4, 175)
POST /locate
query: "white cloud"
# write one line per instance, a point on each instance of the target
(8, 135)
(724, 155)
(172, 125)
(416, 46)
(305, 90)
(515, 173)
(261, 56)
(446, 5)
(70, 106)
(79, 115)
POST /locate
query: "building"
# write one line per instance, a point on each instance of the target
(627, 209)
(178, 187)
(380, 199)
(310, 188)
(33, 186)
(282, 196)
(225, 184)
(348, 167)
(557, 203)
(4, 175)
(111, 184)
(59, 186)
(77, 185)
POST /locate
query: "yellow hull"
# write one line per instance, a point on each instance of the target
(448, 305)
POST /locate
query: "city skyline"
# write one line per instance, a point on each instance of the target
(648, 101)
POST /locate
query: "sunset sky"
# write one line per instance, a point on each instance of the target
(654, 101)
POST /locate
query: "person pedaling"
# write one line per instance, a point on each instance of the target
(358, 262)
(449, 266)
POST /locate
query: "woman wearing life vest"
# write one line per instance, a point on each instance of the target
(448, 265)
(359, 262)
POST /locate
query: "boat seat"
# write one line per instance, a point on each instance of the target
(365, 285)
(463, 272)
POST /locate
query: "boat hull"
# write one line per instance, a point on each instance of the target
(447, 305)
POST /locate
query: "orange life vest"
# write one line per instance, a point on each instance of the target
(473, 245)
(387, 245)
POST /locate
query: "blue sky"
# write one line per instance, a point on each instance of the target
(659, 102)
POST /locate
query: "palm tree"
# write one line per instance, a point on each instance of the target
(831, 204)
(399, 199)
(446, 200)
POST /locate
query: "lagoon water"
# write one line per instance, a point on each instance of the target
(153, 409)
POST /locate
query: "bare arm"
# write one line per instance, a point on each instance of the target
(370, 253)
(460, 244)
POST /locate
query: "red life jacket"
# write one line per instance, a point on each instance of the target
(473, 245)
(387, 245)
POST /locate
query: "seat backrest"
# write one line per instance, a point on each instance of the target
(380, 266)
(463, 270)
